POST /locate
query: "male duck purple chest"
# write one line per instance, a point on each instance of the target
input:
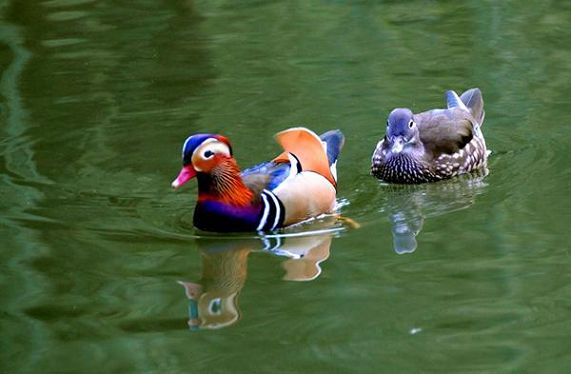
(298, 184)
(433, 145)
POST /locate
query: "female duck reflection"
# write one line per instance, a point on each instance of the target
(408, 206)
(213, 300)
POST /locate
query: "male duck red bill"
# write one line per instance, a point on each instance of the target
(297, 185)
(433, 145)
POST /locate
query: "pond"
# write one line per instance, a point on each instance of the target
(101, 270)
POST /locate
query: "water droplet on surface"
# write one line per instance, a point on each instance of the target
(415, 330)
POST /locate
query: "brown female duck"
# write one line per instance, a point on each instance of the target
(433, 145)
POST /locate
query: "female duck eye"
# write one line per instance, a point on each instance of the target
(208, 154)
(410, 124)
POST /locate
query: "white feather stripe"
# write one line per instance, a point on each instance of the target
(278, 208)
(294, 165)
(333, 169)
(265, 215)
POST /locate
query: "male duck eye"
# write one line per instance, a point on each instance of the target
(208, 154)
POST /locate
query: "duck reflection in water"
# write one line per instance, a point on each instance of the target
(409, 205)
(213, 300)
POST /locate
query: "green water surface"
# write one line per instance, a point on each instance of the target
(96, 98)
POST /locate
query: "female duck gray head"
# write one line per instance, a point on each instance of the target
(402, 130)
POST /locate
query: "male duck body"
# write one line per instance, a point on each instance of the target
(433, 145)
(297, 185)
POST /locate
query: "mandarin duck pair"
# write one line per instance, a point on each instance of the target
(301, 182)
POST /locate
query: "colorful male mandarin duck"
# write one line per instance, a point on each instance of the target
(433, 145)
(297, 185)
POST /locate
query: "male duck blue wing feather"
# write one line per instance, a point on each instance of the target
(433, 145)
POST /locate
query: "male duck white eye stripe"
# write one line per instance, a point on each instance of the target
(266, 212)
(207, 141)
(218, 147)
(278, 209)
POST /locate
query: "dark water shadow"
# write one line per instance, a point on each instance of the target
(408, 206)
(213, 299)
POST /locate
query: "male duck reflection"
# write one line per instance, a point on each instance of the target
(297, 185)
(213, 300)
(433, 145)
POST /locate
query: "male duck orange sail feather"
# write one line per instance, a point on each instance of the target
(298, 184)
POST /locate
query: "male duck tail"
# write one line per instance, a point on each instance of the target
(334, 140)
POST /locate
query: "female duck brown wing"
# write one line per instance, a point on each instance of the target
(444, 130)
